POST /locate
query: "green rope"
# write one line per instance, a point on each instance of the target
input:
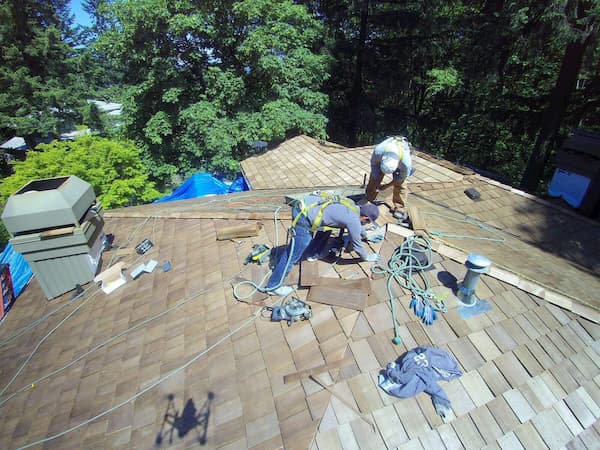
(403, 267)
(468, 220)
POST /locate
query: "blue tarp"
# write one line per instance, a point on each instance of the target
(20, 272)
(239, 185)
(201, 185)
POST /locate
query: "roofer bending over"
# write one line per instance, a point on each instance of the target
(391, 156)
(313, 219)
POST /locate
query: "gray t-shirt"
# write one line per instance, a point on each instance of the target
(339, 216)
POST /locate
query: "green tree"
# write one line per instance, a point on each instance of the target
(207, 77)
(37, 98)
(466, 80)
(113, 168)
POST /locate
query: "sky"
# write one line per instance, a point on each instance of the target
(81, 17)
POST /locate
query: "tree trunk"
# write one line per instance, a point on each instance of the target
(356, 93)
(553, 115)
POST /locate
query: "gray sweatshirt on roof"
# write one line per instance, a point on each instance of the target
(338, 216)
(420, 370)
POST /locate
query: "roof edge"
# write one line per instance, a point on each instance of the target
(498, 272)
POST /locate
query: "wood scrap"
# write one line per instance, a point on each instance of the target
(335, 295)
(416, 219)
(193, 214)
(306, 373)
(309, 273)
(238, 231)
(401, 231)
(57, 232)
(123, 252)
(363, 284)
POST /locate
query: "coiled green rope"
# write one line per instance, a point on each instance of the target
(403, 267)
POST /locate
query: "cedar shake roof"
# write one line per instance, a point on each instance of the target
(317, 164)
(106, 370)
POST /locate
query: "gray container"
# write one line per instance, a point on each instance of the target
(57, 226)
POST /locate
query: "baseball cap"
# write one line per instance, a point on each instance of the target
(370, 210)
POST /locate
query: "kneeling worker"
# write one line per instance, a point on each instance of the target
(391, 156)
(318, 214)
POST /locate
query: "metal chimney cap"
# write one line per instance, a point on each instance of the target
(48, 203)
(478, 263)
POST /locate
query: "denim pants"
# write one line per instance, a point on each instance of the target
(301, 240)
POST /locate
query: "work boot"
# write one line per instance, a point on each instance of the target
(282, 291)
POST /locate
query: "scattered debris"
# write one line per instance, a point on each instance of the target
(143, 246)
(291, 377)
(111, 278)
(147, 267)
(341, 399)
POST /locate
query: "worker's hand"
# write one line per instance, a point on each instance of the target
(375, 235)
(373, 257)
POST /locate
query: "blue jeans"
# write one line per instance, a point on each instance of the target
(301, 241)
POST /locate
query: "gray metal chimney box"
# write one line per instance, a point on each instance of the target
(49, 203)
(57, 226)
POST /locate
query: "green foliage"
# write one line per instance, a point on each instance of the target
(114, 169)
(439, 80)
(38, 95)
(207, 77)
(200, 79)
(157, 127)
(466, 80)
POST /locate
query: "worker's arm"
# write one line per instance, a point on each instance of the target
(355, 236)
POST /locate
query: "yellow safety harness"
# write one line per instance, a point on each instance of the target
(327, 198)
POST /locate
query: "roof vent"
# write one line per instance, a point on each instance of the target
(476, 265)
(56, 225)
